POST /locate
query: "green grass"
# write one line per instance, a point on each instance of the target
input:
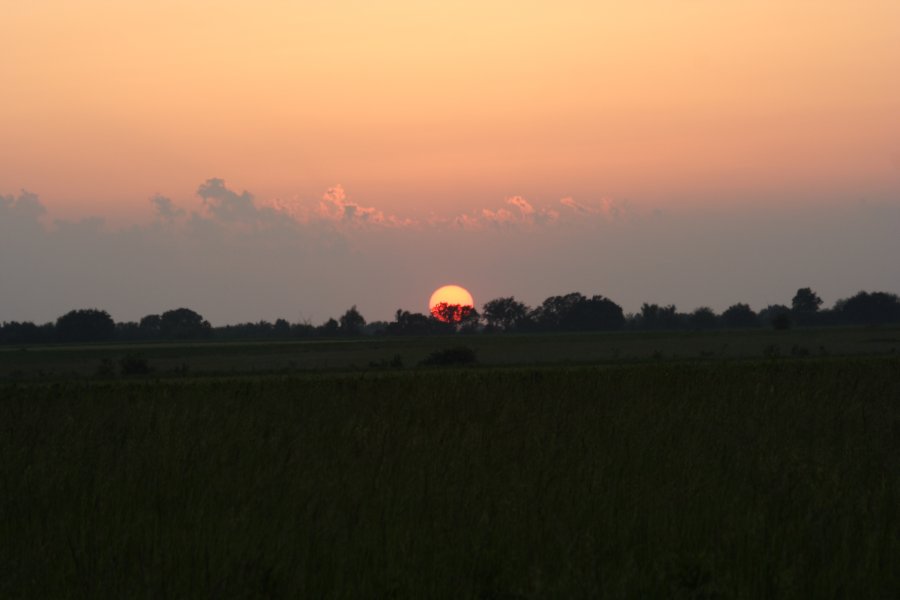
(715, 480)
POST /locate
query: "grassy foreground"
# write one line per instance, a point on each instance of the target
(717, 480)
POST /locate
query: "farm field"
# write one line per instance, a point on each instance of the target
(777, 477)
(66, 361)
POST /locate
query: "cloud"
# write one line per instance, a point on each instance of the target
(20, 216)
(236, 258)
(166, 209)
(336, 210)
(24, 207)
(523, 215)
(335, 207)
(606, 207)
(225, 204)
(522, 204)
(229, 210)
(570, 202)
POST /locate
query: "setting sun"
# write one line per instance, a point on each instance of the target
(452, 295)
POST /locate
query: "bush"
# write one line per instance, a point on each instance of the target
(133, 364)
(458, 355)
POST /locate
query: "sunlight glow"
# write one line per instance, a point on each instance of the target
(452, 295)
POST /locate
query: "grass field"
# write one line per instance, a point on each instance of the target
(777, 477)
(67, 361)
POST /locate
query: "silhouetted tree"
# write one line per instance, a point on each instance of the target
(85, 325)
(407, 323)
(453, 313)
(869, 308)
(575, 312)
(470, 321)
(329, 328)
(505, 314)
(777, 316)
(281, 329)
(805, 307)
(596, 314)
(554, 312)
(375, 328)
(352, 322)
(260, 330)
(703, 318)
(183, 324)
(654, 316)
(805, 301)
(302, 330)
(26, 333)
(739, 315)
(128, 331)
(150, 326)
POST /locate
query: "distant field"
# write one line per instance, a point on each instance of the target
(363, 353)
(710, 480)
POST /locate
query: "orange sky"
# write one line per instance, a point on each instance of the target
(425, 106)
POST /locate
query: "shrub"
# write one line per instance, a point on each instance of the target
(457, 355)
(133, 364)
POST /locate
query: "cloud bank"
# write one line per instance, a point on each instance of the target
(234, 257)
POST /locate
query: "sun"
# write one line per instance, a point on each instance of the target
(451, 295)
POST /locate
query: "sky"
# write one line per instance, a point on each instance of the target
(255, 160)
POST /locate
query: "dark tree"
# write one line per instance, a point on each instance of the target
(330, 328)
(26, 333)
(407, 323)
(703, 318)
(470, 320)
(575, 312)
(128, 331)
(777, 316)
(869, 308)
(375, 328)
(555, 312)
(739, 315)
(85, 325)
(150, 326)
(282, 328)
(505, 314)
(596, 314)
(183, 324)
(454, 313)
(246, 331)
(805, 308)
(806, 301)
(352, 322)
(302, 330)
(654, 316)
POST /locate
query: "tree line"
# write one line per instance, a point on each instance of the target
(567, 313)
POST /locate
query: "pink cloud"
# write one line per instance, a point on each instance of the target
(606, 207)
(335, 208)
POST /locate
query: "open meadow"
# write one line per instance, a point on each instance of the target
(642, 475)
(167, 359)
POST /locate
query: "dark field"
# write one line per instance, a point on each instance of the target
(777, 477)
(168, 359)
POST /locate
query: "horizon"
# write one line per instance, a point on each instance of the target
(203, 256)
